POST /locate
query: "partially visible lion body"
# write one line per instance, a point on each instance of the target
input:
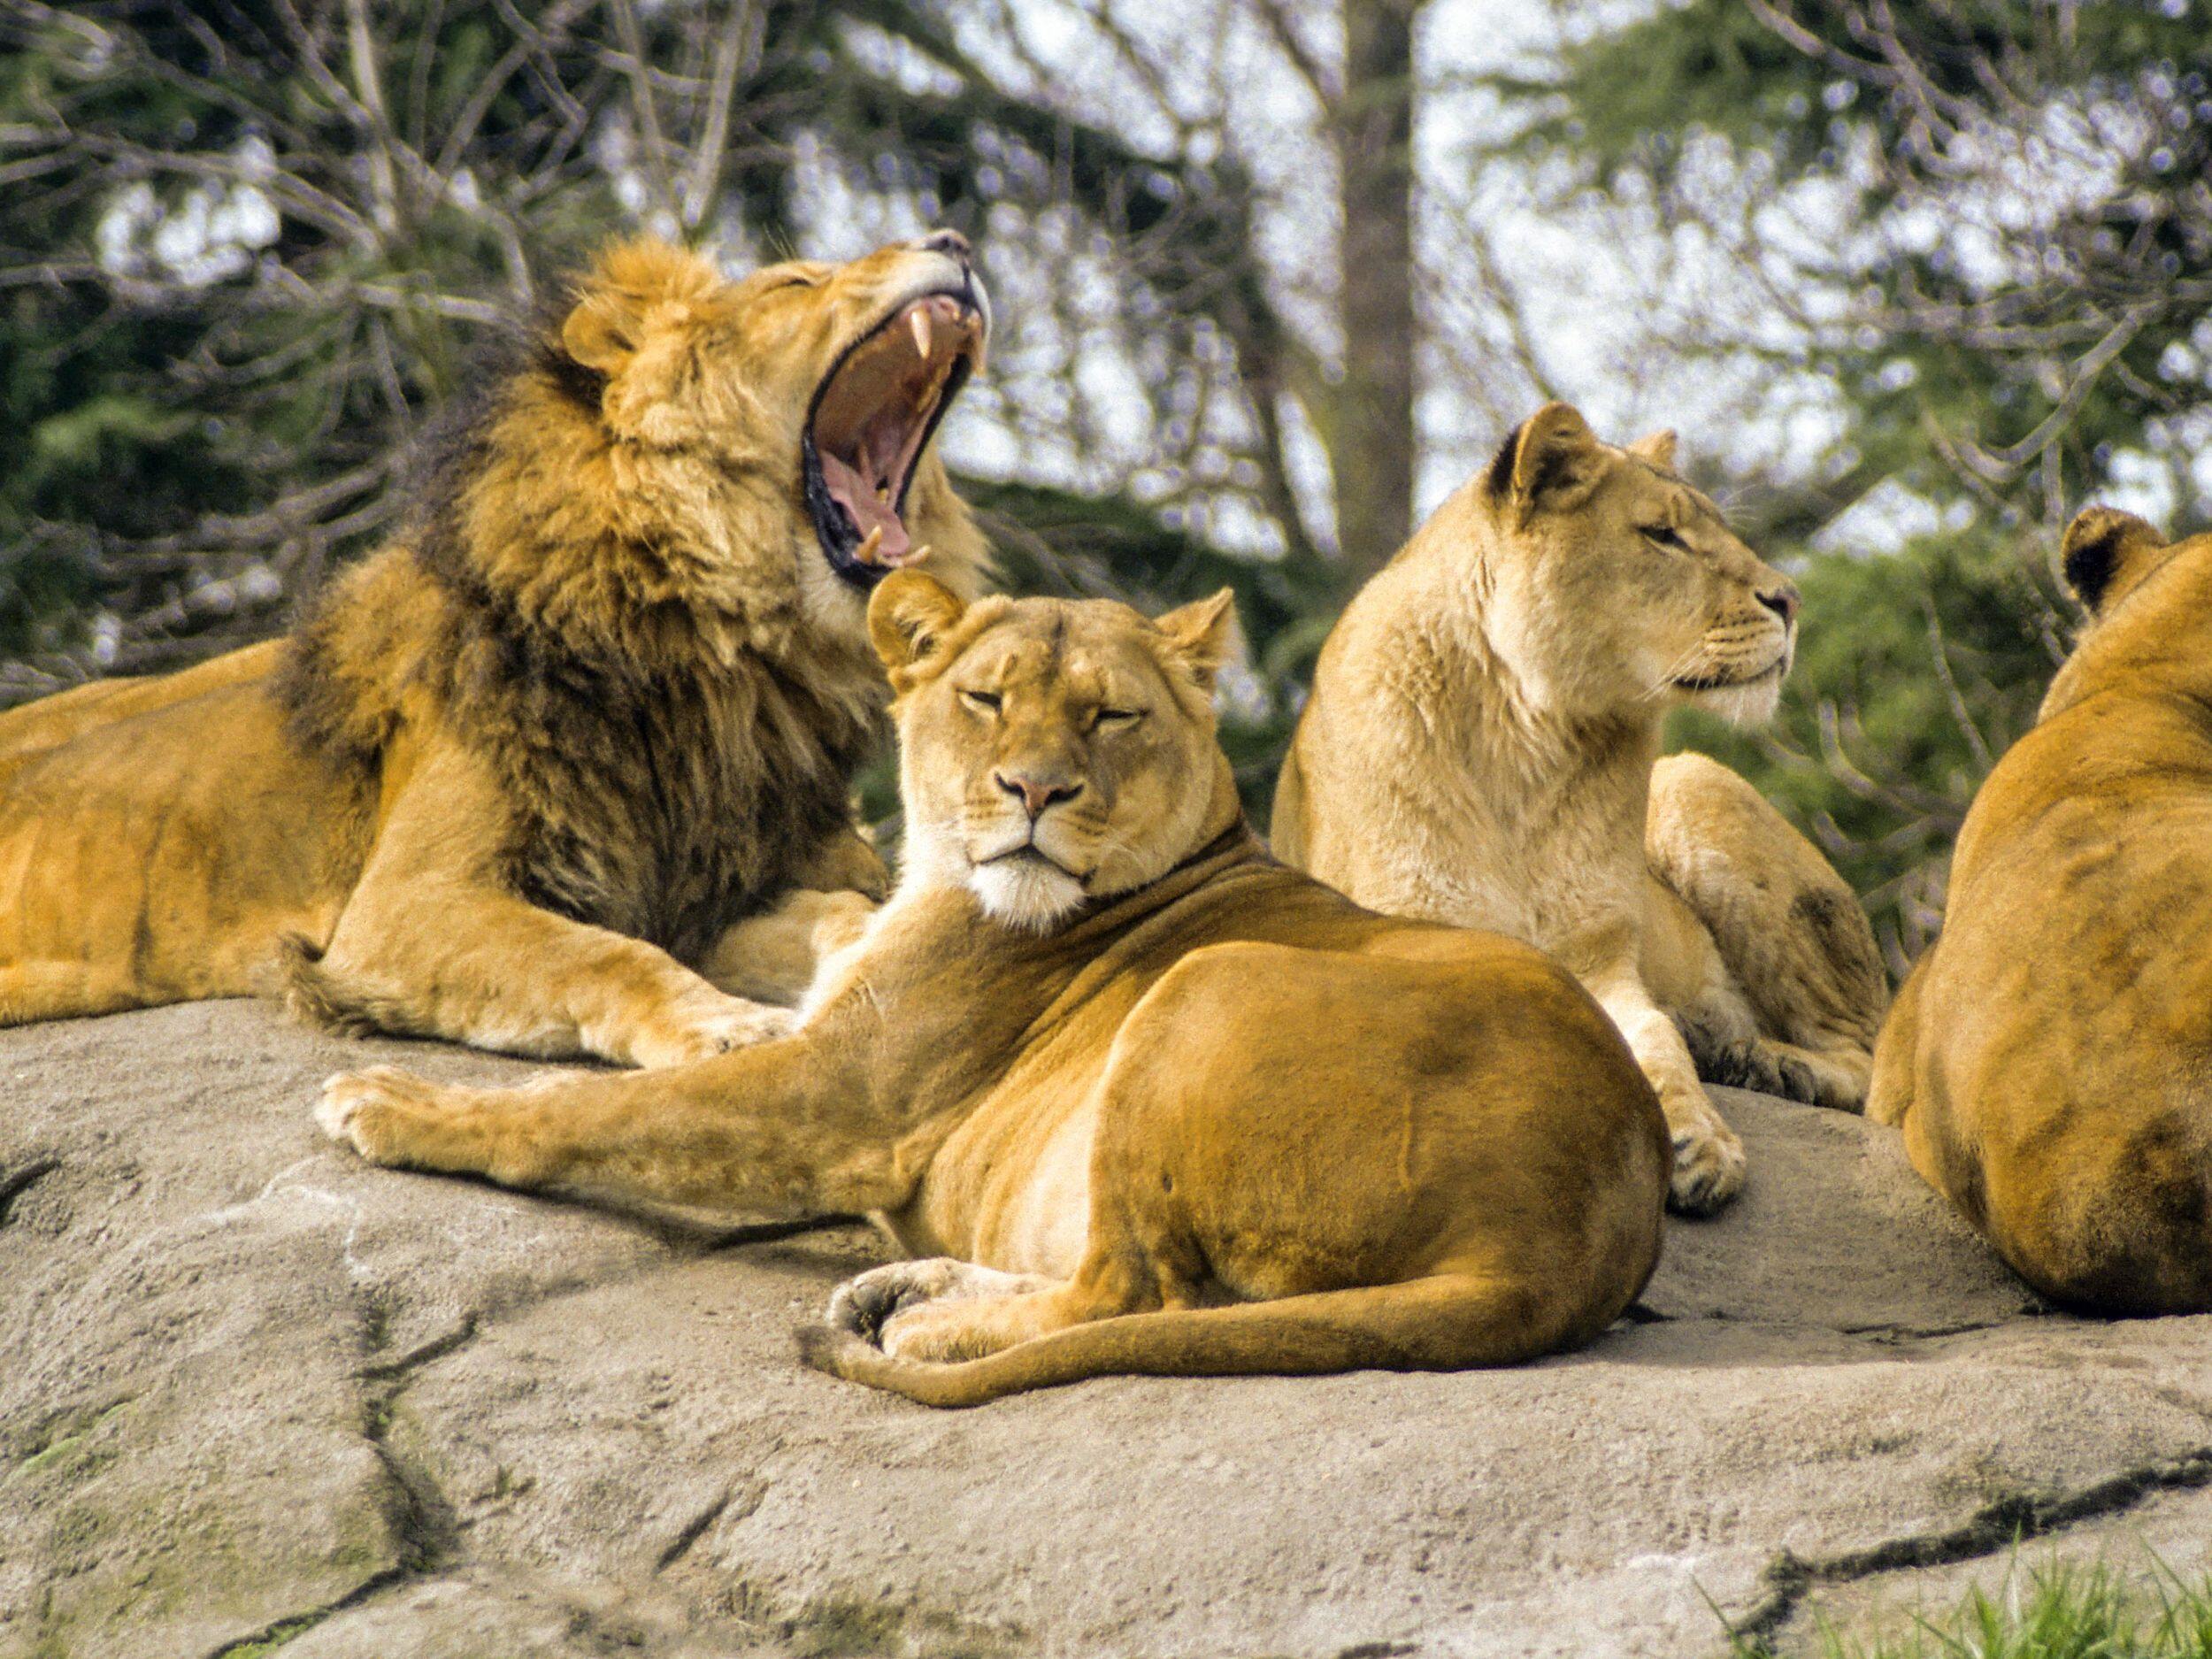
(520, 771)
(1154, 1102)
(1481, 748)
(2049, 1061)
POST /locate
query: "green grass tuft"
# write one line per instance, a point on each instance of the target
(2058, 1612)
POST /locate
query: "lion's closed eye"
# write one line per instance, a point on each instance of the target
(1663, 535)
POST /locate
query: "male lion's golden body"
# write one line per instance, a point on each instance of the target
(1173, 1108)
(1480, 748)
(518, 774)
(2050, 1059)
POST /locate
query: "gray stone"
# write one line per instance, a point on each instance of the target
(255, 1396)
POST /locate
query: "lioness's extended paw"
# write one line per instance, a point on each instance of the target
(372, 1111)
(1708, 1167)
(705, 1023)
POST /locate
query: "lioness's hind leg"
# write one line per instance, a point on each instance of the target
(1797, 949)
(942, 1309)
(869, 1303)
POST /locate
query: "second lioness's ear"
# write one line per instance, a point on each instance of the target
(1656, 448)
(1552, 460)
(908, 616)
(2105, 553)
(1202, 634)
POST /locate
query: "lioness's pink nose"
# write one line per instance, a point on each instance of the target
(949, 241)
(1782, 601)
(1036, 793)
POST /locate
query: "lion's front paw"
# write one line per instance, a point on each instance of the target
(706, 1024)
(1708, 1167)
(372, 1111)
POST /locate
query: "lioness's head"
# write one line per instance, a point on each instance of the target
(2149, 601)
(1052, 751)
(789, 412)
(1613, 584)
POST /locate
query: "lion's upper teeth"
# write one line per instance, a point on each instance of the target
(918, 321)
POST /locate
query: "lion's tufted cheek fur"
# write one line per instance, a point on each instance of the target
(1054, 753)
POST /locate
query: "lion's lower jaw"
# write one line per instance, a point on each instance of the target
(1026, 894)
(1753, 703)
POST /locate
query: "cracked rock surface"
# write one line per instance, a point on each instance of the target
(255, 1397)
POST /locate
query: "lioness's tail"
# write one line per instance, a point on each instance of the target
(1445, 1323)
(1788, 927)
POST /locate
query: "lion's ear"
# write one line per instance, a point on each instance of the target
(2105, 552)
(909, 616)
(634, 287)
(1552, 461)
(1656, 448)
(1204, 635)
(603, 332)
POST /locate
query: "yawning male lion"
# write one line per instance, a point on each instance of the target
(600, 701)
(1154, 1102)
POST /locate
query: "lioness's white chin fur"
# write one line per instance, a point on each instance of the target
(1026, 894)
(1751, 704)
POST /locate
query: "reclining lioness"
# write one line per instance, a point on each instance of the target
(1481, 748)
(2050, 1059)
(1154, 1102)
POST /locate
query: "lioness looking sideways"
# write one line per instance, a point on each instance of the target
(2050, 1059)
(599, 701)
(1156, 1103)
(1480, 749)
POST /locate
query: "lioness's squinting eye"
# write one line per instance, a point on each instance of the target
(1664, 537)
(1115, 719)
(982, 701)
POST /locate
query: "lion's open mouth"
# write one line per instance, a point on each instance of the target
(872, 416)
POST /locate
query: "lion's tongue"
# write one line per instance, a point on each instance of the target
(856, 493)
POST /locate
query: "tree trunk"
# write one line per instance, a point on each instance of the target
(1369, 429)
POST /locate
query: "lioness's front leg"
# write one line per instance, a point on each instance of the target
(1708, 1158)
(780, 1129)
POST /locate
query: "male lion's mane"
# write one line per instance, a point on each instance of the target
(668, 756)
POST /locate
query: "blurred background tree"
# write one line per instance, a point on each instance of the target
(1914, 277)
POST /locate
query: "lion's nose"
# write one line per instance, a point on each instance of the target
(949, 241)
(1036, 793)
(1783, 602)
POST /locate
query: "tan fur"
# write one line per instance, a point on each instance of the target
(524, 767)
(1480, 749)
(2050, 1059)
(1149, 1101)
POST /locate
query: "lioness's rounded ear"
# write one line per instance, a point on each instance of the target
(1204, 633)
(909, 616)
(2104, 552)
(1551, 461)
(1656, 448)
